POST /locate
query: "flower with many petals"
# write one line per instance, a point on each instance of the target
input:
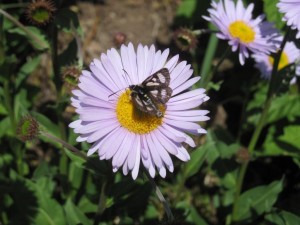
(264, 62)
(235, 24)
(291, 10)
(122, 133)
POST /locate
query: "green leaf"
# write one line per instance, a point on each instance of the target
(75, 215)
(27, 69)
(192, 214)
(5, 127)
(5, 160)
(187, 8)
(44, 209)
(75, 175)
(78, 160)
(67, 21)
(285, 106)
(197, 159)
(43, 170)
(3, 110)
(220, 158)
(21, 103)
(69, 55)
(46, 124)
(291, 135)
(282, 218)
(86, 206)
(196, 218)
(272, 13)
(258, 200)
(39, 42)
(215, 86)
(285, 144)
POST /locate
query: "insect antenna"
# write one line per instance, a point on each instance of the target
(127, 81)
(127, 78)
(115, 92)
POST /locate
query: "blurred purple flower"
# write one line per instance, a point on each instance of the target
(264, 62)
(291, 10)
(114, 126)
(235, 24)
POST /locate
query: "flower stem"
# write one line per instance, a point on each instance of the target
(209, 54)
(9, 106)
(209, 76)
(161, 197)
(74, 150)
(24, 28)
(203, 31)
(102, 200)
(261, 122)
(13, 5)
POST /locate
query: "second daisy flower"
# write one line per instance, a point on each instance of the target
(235, 24)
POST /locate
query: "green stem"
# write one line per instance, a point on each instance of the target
(24, 28)
(211, 74)
(161, 197)
(54, 57)
(19, 151)
(9, 106)
(64, 144)
(13, 5)
(102, 200)
(203, 31)
(58, 85)
(259, 127)
(207, 62)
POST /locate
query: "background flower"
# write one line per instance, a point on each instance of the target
(235, 24)
(264, 62)
(291, 10)
(124, 134)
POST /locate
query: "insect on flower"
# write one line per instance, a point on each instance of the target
(152, 92)
(156, 87)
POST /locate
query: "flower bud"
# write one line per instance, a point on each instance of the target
(28, 128)
(185, 39)
(40, 12)
(242, 155)
(70, 75)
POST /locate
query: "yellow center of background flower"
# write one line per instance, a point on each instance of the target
(132, 118)
(241, 30)
(283, 62)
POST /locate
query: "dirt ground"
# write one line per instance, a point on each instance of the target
(142, 21)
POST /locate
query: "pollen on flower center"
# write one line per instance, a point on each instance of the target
(284, 60)
(243, 31)
(133, 119)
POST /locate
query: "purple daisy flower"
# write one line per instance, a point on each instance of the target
(291, 10)
(121, 132)
(235, 24)
(264, 62)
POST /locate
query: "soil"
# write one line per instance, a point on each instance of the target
(141, 21)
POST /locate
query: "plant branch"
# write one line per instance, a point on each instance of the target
(24, 28)
(65, 144)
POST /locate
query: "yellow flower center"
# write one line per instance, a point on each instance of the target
(242, 31)
(283, 62)
(133, 119)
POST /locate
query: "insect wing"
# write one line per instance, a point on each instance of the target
(143, 104)
(161, 95)
(157, 80)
